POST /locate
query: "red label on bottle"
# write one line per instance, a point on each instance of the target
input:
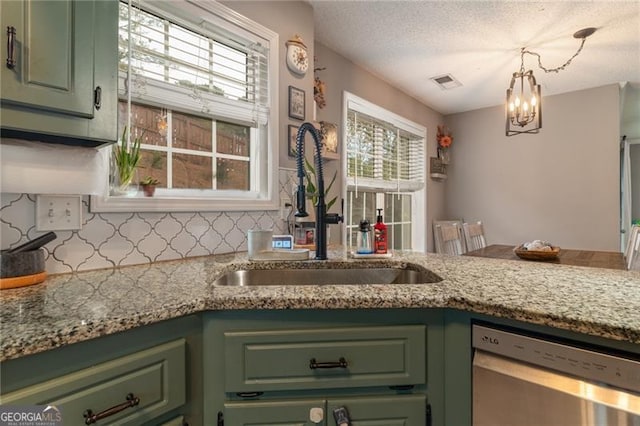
(381, 241)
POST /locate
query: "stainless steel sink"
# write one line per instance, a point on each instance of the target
(345, 276)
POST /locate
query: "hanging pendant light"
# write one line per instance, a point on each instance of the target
(524, 108)
(524, 98)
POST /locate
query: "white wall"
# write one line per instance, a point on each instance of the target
(287, 18)
(561, 185)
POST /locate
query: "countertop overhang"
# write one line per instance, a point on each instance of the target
(70, 308)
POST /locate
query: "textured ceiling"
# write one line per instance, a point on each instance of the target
(478, 43)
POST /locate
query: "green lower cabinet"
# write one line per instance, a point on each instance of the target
(392, 410)
(130, 390)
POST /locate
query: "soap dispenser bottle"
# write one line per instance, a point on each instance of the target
(380, 235)
(365, 243)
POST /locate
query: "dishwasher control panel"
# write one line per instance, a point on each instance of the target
(583, 363)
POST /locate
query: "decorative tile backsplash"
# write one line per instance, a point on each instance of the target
(117, 239)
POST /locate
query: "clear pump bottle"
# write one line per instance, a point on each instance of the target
(365, 239)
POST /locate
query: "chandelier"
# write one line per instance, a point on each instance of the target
(524, 101)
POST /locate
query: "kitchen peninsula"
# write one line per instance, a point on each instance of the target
(76, 310)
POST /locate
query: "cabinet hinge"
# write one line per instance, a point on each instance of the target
(220, 418)
(429, 420)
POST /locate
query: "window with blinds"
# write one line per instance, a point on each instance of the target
(198, 66)
(385, 168)
(196, 84)
(381, 155)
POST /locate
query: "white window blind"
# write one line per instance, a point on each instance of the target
(198, 83)
(194, 65)
(385, 169)
(383, 155)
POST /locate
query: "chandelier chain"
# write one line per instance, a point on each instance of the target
(561, 67)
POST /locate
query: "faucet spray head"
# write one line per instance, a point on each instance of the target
(301, 202)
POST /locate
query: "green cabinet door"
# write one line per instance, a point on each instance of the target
(62, 84)
(53, 53)
(380, 410)
(145, 385)
(301, 412)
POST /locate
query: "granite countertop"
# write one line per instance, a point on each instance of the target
(74, 307)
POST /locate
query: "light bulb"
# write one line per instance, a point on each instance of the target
(511, 107)
(533, 102)
(525, 107)
(517, 102)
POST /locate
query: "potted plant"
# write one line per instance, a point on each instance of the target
(149, 186)
(127, 157)
(312, 192)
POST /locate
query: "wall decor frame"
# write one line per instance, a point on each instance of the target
(293, 132)
(330, 140)
(296, 103)
(438, 170)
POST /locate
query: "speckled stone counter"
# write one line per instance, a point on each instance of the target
(75, 307)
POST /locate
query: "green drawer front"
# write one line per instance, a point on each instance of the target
(155, 375)
(274, 413)
(280, 359)
(392, 410)
(395, 410)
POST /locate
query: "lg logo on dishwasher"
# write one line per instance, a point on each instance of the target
(492, 340)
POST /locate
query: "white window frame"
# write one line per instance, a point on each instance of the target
(418, 197)
(266, 172)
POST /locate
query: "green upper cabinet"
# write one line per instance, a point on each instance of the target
(59, 77)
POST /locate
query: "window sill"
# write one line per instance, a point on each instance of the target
(140, 203)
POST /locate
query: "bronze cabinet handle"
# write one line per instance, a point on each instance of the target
(90, 417)
(341, 363)
(11, 38)
(97, 97)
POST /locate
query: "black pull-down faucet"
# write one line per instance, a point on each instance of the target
(322, 217)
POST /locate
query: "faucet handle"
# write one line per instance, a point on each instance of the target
(333, 218)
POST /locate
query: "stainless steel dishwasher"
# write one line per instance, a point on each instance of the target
(520, 380)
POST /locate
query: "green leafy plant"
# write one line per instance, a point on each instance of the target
(149, 180)
(312, 191)
(127, 157)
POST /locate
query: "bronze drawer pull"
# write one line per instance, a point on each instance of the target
(341, 363)
(90, 418)
(11, 37)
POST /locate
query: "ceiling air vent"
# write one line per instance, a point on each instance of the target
(446, 82)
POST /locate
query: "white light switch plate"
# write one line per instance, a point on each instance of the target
(58, 212)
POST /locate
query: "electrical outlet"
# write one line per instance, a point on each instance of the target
(58, 212)
(285, 209)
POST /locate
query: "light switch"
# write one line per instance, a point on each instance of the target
(58, 212)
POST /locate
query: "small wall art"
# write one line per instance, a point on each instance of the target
(438, 170)
(330, 143)
(296, 103)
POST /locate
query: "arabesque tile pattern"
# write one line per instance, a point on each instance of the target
(107, 240)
